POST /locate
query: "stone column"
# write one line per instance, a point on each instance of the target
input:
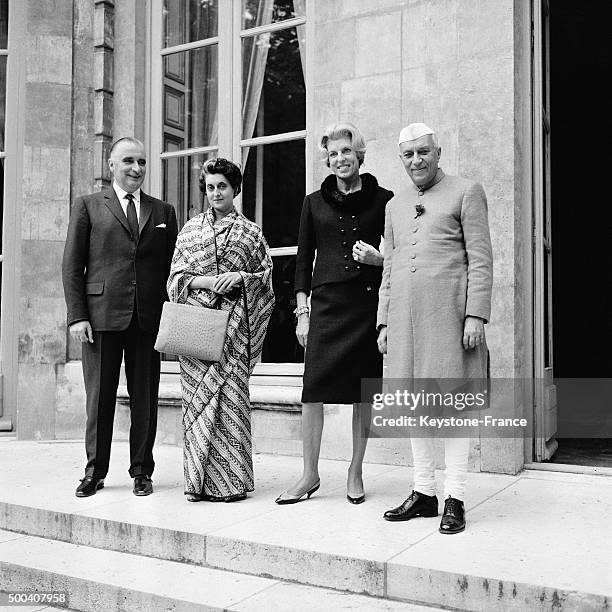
(130, 69)
(104, 86)
(45, 194)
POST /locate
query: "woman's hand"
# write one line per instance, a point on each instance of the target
(365, 253)
(382, 340)
(202, 282)
(301, 330)
(225, 282)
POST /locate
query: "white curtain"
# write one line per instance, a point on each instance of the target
(253, 76)
(204, 114)
(300, 10)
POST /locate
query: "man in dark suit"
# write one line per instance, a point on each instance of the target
(116, 262)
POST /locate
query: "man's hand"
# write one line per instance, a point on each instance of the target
(225, 282)
(365, 253)
(473, 332)
(382, 340)
(301, 330)
(82, 331)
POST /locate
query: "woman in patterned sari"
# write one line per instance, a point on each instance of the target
(221, 258)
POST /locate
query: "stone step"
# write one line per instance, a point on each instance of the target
(532, 542)
(95, 579)
(234, 550)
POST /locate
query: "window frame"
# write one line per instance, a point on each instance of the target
(229, 39)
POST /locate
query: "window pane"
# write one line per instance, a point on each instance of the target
(274, 189)
(190, 97)
(188, 21)
(181, 183)
(3, 24)
(273, 192)
(281, 345)
(274, 94)
(263, 12)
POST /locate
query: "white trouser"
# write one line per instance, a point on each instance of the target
(456, 452)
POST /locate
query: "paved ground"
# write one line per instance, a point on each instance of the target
(542, 528)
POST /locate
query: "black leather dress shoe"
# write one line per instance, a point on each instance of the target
(417, 504)
(143, 485)
(453, 519)
(89, 485)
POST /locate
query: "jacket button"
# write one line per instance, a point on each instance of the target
(413, 269)
(415, 230)
(368, 288)
(346, 268)
(341, 218)
(358, 267)
(344, 243)
(354, 229)
(353, 217)
(342, 231)
(414, 242)
(413, 256)
(346, 257)
(133, 282)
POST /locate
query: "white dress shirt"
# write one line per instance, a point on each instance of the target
(121, 193)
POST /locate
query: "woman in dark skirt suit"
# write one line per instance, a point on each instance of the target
(341, 223)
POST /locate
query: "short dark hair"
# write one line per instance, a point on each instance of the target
(219, 165)
(124, 139)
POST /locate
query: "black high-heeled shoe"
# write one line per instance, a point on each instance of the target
(356, 500)
(294, 499)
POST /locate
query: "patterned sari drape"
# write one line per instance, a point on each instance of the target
(216, 407)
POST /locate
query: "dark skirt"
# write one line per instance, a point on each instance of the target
(341, 348)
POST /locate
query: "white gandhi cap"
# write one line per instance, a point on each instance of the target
(414, 131)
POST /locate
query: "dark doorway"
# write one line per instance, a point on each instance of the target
(581, 222)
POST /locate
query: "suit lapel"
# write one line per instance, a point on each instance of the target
(112, 202)
(145, 210)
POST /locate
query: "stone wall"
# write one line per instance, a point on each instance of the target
(45, 193)
(75, 64)
(449, 63)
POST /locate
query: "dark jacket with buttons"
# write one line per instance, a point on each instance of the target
(330, 225)
(105, 272)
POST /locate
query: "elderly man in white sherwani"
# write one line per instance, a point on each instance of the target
(435, 299)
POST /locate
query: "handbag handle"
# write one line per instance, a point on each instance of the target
(217, 301)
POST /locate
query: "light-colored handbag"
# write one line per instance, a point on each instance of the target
(192, 331)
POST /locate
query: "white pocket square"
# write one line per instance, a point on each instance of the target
(163, 225)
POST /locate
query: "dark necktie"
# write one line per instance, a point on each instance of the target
(132, 217)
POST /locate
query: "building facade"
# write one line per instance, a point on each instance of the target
(257, 81)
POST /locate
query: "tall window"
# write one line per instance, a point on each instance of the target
(231, 83)
(190, 69)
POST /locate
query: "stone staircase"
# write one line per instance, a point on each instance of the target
(114, 551)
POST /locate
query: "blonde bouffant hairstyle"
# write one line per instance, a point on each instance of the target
(343, 130)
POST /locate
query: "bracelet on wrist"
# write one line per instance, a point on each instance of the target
(301, 310)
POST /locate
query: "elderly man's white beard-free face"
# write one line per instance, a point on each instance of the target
(128, 163)
(420, 158)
